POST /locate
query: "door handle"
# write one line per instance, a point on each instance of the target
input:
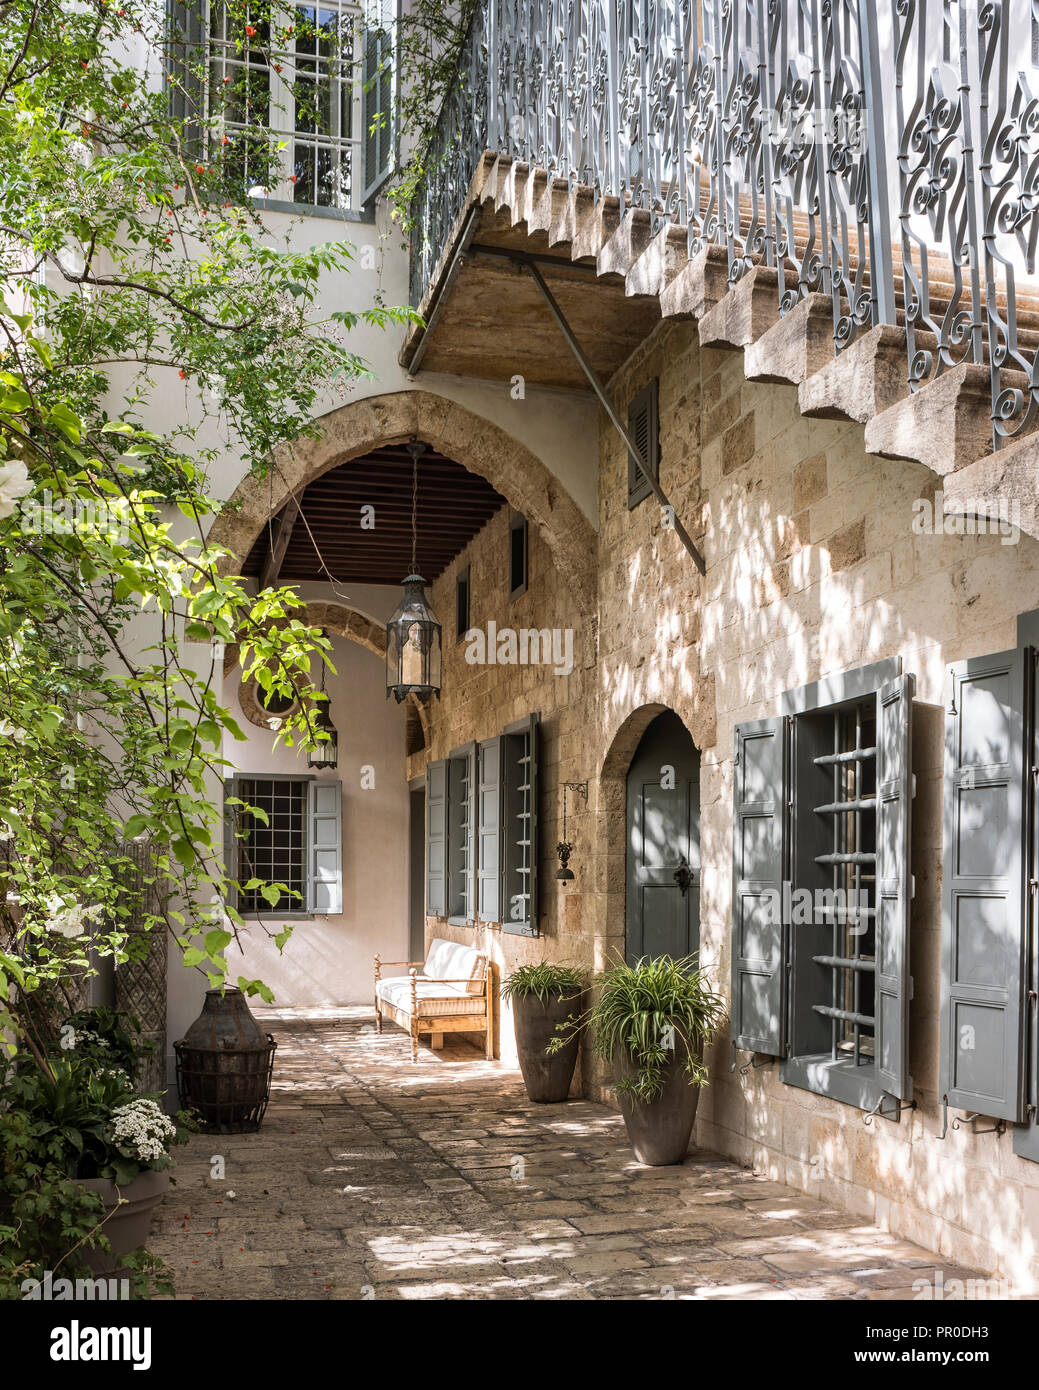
(682, 876)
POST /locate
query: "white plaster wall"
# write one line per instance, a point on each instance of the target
(329, 958)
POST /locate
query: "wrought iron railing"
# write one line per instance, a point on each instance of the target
(883, 154)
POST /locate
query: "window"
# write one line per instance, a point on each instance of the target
(296, 842)
(517, 556)
(822, 887)
(644, 428)
(310, 79)
(462, 604)
(292, 78)
(482, 831)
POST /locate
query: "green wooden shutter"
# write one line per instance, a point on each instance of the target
(230, 845)
(983, 889)
(522, 826)
(644, 428)
(759, 944)
(1026, 1136)
(325, 847)
(182, 78)
(894, 884)
(436, 838)
(377, 106)
(489, 831)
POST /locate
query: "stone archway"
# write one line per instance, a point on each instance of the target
(451, 429)
(343, 620)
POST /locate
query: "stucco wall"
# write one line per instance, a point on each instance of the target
(329, 958)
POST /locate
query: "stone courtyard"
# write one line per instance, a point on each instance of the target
(376, 1178)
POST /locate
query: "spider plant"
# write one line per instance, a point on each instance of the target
(543, 981)
(650, 1009)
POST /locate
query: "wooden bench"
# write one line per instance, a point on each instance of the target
(451, 991)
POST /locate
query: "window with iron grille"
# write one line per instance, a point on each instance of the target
(822, 888)
(275, 852)
(285, 76)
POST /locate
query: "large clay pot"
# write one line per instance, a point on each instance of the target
(128, 1215)
(659, 1130)
(546, 1077)
(224, 1064)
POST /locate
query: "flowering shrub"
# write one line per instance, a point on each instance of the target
(142, 1132)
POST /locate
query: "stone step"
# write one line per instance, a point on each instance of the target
(1010, 475)
(627, 244)
(698, 286)
(945, 425)
(662, 260)
(749, 309)
(868, 377)
(796, 347)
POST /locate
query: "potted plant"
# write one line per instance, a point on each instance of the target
(80, 1110)
(546, 999)
(651, 1021)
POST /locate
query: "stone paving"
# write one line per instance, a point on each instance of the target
(376, 1178)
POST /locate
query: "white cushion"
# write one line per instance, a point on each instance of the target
(434, 997)
(450, 960)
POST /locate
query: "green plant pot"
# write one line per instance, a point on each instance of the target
(128, 1224)
(659, 1130)
(547, 1077)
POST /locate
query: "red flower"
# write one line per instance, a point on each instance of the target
(292, 179)
(226, 141)
(199, 169)
(182, 374)
(250, 30)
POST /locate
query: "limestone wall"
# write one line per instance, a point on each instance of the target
(813, 568)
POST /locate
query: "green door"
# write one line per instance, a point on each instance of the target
(662, 903)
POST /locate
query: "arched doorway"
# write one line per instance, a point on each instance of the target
(662, 836)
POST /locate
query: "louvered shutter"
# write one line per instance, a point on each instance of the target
(983, 890)
(894, 884)
(377, 69)
(325, 847)
(489, 831)
(1026, 1136)
(522, 826)
(759, 946)
(436, 839)
(644, 428)
(182, 78)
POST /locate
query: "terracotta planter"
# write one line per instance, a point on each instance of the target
(659, 1130)
(546, 1077)
(126, 1225)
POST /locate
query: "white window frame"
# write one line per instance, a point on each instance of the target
(223, 59)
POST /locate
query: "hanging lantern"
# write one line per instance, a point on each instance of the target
(565, 848)
(413, 634)
(324, 752)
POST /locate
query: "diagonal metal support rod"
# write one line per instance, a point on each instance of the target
(575, 347)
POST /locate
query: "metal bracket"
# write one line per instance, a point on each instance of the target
(972, 1119)
(888, 1108)
(531, 263)
(581, 788)
(752, 1065)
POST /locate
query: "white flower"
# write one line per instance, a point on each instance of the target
(69, 919)
(140, 1130)
(14, 483)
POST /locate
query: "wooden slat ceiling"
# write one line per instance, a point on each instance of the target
(453, 505)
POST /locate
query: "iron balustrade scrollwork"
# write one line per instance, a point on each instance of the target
(881, 153)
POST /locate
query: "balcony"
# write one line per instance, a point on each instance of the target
(871, 169)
